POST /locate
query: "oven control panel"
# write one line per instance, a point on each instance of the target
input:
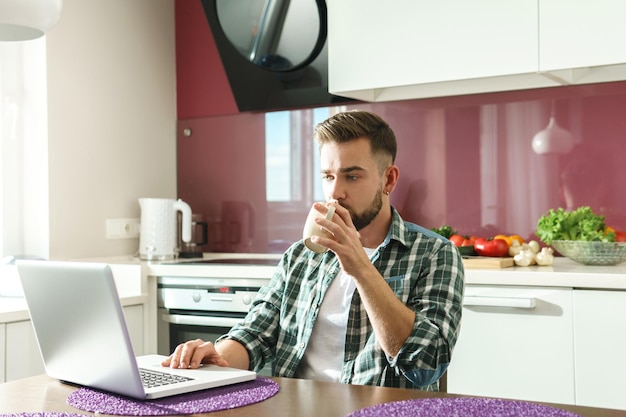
(225, 299)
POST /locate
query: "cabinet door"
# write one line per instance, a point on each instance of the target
(23, 358)
(577, 34)
(134, 322)
(2, 352)
(515, 342)
(378, 44)
(599, 341)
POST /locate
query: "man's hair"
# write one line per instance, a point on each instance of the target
(347, 126)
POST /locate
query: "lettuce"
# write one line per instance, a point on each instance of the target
(579, 224)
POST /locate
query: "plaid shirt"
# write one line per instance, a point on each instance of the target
(425, 272)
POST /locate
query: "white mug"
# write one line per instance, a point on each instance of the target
(313, 229)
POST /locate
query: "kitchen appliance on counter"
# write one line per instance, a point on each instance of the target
(159, 230)
(199, 237)
(206, 307)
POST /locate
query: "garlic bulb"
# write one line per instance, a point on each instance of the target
(515, 248)
(545, 257)
(534, 246)
(525, 257)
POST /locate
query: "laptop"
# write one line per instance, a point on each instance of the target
(80, 328)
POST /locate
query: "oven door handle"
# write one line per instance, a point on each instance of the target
(201, 320)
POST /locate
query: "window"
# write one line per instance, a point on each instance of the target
(292, 169)
(23, 148)
(292, 157)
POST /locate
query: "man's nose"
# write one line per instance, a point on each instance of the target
(336, 191)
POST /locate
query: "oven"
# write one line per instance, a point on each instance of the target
(207, 306)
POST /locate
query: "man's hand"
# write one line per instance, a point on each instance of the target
(346, 241)
(192, 354)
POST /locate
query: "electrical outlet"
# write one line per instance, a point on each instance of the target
(122, 228)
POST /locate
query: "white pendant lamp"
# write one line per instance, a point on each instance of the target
(553, 139)
(23, 20)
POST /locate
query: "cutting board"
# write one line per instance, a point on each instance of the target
(487, 262)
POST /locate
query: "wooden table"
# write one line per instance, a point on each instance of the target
(296, 398)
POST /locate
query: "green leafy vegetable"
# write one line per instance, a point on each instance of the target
(445, 231)
(579, 224)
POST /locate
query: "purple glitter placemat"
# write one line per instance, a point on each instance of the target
(468, 407)
(206, 401)
(42, 414)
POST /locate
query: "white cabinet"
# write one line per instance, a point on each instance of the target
(19, 352)
(22, 353)
(404, 49)
(399, 43)
(599, 343)
(134, 321)
(576, 34)
(2, 352)
(515, 342)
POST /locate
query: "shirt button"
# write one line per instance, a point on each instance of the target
(302, 345)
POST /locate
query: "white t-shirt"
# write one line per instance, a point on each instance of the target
(324, 355)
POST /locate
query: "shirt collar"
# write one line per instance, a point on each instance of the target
(397, 231)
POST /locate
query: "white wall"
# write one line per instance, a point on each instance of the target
(112, 118)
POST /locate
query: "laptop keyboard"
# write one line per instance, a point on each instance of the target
(152, 379)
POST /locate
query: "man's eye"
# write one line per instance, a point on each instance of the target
(327, 177)
(352, 177)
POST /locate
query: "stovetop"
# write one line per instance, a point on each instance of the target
(228, 261)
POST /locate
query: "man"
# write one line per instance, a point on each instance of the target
(381, 307)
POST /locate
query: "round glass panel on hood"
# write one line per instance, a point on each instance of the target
(277, 35)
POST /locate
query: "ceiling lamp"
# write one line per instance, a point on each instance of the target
(553, 139)
(23, 20)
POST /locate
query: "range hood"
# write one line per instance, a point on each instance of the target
(260, 78)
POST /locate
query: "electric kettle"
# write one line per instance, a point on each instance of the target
(158, 236)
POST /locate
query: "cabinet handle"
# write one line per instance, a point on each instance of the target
(201, 320)
(483, 301)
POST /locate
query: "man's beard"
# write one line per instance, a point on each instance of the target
(366, 217)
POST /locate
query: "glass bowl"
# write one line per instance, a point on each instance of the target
(592, 253)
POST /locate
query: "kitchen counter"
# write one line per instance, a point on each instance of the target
(563, 273)
(127, 280)
(296, 397)
(15, 308)
(19, 352)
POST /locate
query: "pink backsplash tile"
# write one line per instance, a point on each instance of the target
(464, 161)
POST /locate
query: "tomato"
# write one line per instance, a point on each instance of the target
(460, 240)
(620, 236)
(491, 247)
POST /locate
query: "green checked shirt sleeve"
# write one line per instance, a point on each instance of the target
(425, 272)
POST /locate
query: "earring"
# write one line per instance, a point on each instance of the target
(386, 192)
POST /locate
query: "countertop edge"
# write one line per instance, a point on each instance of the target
(14, 309)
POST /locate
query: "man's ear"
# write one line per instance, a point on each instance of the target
(392, 174)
